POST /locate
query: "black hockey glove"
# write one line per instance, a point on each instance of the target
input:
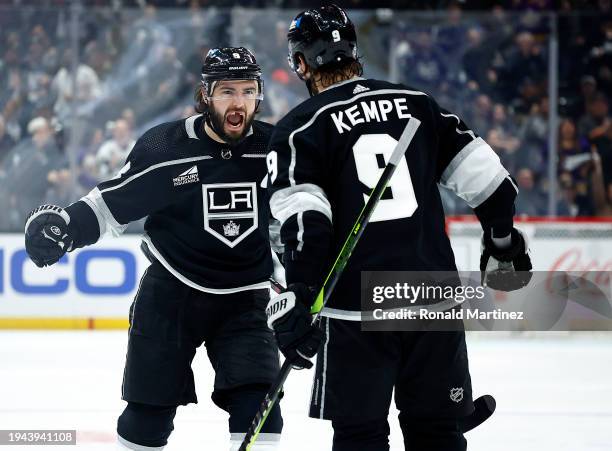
(289, 316)
(46, 234)
(506, 269)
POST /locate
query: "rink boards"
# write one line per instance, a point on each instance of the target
(92, 288)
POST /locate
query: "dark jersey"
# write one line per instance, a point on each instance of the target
(327, 154)
(207, 215)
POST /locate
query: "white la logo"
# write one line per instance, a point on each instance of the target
(230, 211)
(456, 394)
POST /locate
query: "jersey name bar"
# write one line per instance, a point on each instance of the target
(374, 110)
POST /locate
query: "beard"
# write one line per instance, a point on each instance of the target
(217, 122)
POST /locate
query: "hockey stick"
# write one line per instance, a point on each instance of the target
(334, 274)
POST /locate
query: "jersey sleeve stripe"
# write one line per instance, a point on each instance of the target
(475, 173)
(461, 155)
(106, 221)
(335, 104)
(490, 188)
(300, 234)
(152, 168)
(287, 202)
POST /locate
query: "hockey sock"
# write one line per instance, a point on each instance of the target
(242, 404)
(363, 436)
(422, 434)
(145, 427)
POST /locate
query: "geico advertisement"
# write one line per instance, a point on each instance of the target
(96, 281)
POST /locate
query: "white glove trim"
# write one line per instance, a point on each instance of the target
(46, 209)
(279, 306)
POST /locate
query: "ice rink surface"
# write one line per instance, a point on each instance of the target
(554, 393)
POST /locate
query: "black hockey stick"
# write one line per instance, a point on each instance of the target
(334, 274)
(483, 409)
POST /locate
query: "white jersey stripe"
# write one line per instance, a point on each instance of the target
(190, 126)
(107, 223)
(154, 167)
(286, 202)
(475, 173)
(186, 281)
(461, 132)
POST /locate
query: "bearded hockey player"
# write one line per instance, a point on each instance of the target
(324, 158)
(206, 234)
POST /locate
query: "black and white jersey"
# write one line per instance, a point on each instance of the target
(327, 154)
(207, 214)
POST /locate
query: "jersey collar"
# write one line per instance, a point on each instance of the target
(340, 83)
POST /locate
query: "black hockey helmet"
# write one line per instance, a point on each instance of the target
(230, 63)
(322, 35)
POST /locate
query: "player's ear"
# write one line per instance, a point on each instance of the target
(303, 68)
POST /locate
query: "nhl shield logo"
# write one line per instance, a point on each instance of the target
(230, 211)
(456, 394)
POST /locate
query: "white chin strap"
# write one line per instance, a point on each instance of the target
(264, 442)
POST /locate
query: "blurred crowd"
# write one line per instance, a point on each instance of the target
(472, 5)
(494, 71)
(73, 101)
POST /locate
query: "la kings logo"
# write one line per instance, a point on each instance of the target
(230, 211)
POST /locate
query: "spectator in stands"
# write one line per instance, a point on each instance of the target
(423, 64)
(600, 57)
(566, 205)
(129, 116)
(596, 123)
(89, 175)
(525, 62)
(480, 115)
(452, 34)
(30, 168)
(87, 81)
(502, 136)
(575, 166)
(476, 61)
(602, 194)
(112, 153)
(533, 134)
(529, 201)
(6, 144)
(530, 93)
(160, 87)
(588, 89)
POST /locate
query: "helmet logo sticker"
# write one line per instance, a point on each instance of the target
(236, 55)
(295, 23)
(336, 35)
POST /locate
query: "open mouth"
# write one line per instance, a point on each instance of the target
(235, 120)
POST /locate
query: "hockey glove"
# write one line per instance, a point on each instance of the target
(506, 269)
(289, 316)
(46, 235)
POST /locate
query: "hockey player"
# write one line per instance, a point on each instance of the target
(197, 181)
(325, 156)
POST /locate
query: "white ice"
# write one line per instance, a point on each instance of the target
(554, 393)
